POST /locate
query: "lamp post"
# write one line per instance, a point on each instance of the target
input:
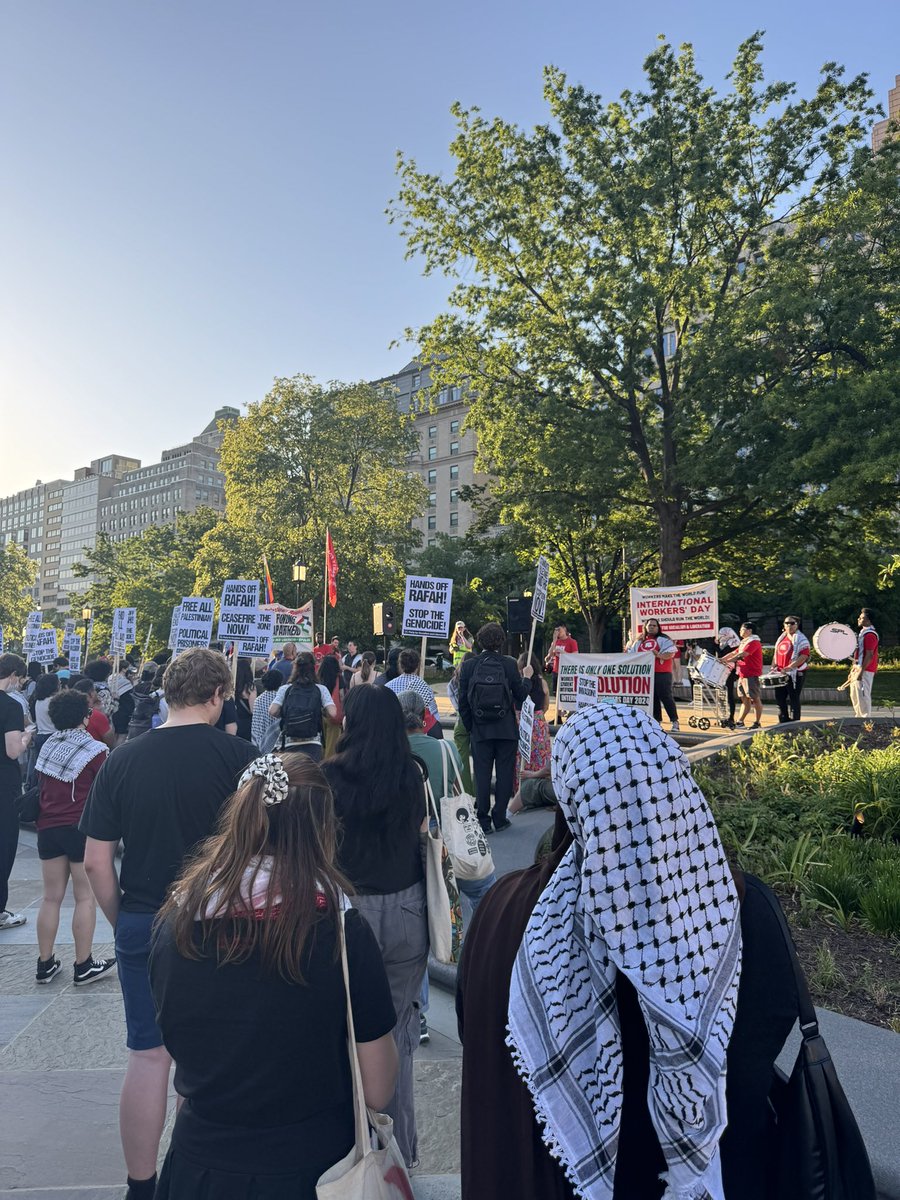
(86, 616)
(299, 572)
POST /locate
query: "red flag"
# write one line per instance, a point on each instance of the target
(331, 566)
(270, 591)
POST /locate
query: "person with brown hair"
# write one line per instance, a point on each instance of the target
(160, 794)
(246, 974)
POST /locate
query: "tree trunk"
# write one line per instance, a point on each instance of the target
(671, 554)
(596, 627)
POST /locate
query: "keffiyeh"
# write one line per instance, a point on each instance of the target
(646, 890)
(64, 755)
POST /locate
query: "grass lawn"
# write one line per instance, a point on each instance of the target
(886, 688)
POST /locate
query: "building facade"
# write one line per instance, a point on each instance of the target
(880, 128)
(445, 458)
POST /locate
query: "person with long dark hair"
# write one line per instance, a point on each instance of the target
(246, 974)
(379, 796)
(301, 704)
(330, 677)
(264, 730)
(244, 699)
(39, 704)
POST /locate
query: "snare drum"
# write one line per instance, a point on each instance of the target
(712, 671)
(773, 679)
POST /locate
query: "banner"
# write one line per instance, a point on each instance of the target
(257, 643)
(32, 629)
(539, 600)
(526, 730)
(605, 679)
(689, 611)
(195, 622)
(331, 569)
(292, 625)
(44, 649)
(239, 603)
(173, 631)
(426, 607)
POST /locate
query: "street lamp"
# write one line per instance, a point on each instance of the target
(86, 615)
(299, 572)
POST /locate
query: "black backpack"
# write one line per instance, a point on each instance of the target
(489, 696)
(146, 707)
(301, 712)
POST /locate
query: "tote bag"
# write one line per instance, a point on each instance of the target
(441, 892)
(463, 836)
(374, 1169)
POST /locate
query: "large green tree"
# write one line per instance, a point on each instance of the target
(311, 457)
(669, 311)
(17, 573)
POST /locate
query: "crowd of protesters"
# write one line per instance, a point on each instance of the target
(266, 818)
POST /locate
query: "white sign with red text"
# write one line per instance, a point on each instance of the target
(586, 679)
(688, 611)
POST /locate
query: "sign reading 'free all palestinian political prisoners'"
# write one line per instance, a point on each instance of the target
(605, 679)
(195, 622)
(426, 606)
(691, 611)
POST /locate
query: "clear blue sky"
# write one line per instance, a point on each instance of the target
(194, 190)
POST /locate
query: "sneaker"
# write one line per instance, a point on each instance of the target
(755, 725)
(47, 969)
(486, 827)
(424, 1035)
(739, 725)
(94, 968)
(676, 728)
(504, 824)
(9, 920)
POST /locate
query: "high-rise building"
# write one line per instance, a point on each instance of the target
(880, 128)
(445, 459)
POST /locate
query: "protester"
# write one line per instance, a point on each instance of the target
(100, 670)
(792, 651)
(321, 650)
(540, 731)
(16, 740)
(146, 704)
(285, 665)
(161, 795)
(490, 687)
(461, 642)
(380, 803)
(726, 641)
(664, 650)
(559, 953)
(408, 663)
(330, 677)
(562, 643)
(352, 661)
(35, 671)
(122, 687)
(367, 672)
(301, 706)
(244, 699)
(265, 730)
(99, 725)
(45, 688)
(461, 738)
(66, 767)
(865, 664)
(535, 791)
(252, 927)
(749, 663)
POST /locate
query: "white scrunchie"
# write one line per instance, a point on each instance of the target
(270, 768)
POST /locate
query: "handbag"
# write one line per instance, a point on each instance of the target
(469, 851)
(28, 805)
(367, 1171)
(441, 891)
(818, 1152)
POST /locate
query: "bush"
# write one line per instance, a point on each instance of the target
(881, 905)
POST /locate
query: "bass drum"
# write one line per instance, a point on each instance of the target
(835, 641)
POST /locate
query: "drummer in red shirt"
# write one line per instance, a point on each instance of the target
(664, 650)
(749, 664)
(792, 652)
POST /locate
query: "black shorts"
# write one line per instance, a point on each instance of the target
(62, 841)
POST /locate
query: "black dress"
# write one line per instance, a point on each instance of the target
(263, 1065)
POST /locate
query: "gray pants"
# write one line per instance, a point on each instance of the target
(400, 924)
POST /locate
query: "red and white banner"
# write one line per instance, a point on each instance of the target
(605, 679)
(687, 611)
(292, 625)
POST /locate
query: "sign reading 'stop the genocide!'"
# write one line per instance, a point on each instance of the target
(426, 608)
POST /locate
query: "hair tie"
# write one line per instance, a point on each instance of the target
(270, 768)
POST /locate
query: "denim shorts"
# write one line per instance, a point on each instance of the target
(132, 956)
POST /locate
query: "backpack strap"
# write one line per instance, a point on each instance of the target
(809, 1022)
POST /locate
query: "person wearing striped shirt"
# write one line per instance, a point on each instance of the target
(408, 663)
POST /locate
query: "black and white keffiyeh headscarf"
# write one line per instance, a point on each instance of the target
(65, 755)
(645, 889)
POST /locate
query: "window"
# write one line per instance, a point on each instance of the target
(454, 519)
(454, 471)
(432, 431)
(432, 522)
(432, 541)
(432, 453)
(454, 495)
(432, 476)
(669, 343)
(432, 499)
(454, 447)
(416, 381)
(454, 426)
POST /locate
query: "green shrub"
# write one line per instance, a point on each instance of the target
(881, 905)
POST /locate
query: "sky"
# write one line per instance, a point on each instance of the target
(193, 191)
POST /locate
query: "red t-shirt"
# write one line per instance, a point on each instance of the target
(98, 725)
(784, 653)
(63, 803)
(563, 646)
(869, 642)
(320, 652)
(751, 665)
(661, 666)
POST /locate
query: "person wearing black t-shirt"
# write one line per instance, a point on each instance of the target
(161, 795)
(247, 977)
(15, 741)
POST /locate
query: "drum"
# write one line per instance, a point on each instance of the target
(773, 679)
(712, 671)
(835, 641)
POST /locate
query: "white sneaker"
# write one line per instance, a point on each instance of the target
(9, 920)
(676, 728)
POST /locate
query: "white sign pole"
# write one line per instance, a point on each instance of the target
(422, 654)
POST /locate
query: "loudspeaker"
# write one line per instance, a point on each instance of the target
(383, 620)
(518, 614)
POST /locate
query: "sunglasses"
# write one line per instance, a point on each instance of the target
(789, 623)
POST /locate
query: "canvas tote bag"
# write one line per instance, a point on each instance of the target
(441, 892)
(368, 1171)
(463, 835)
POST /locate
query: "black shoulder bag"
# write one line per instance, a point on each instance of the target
(818, 1151)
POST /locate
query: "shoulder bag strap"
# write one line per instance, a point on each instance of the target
(361, 1120)
(809, 1022)
(448, 756)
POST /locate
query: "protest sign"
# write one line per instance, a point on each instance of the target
(32, 628)
(541, 583)
(44, 649)
(526, 730)
(426, 606)
(124, 629)
(691, 611)
(614, 679)
(292, 625)
(258, 642)
(74, 653)
(71, 641)
(195, 622)
(173, 629)
(240, 600)
(68, 628)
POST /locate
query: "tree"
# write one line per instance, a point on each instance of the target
(150, 572)
(17, 574)
(654, 285)
(484, 572)
(308, 457)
